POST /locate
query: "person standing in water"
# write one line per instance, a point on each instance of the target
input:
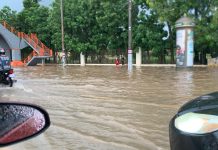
(122, 60)
(117, 62)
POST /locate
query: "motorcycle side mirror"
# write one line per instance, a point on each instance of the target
(19, 122)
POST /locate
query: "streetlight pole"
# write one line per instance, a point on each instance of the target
(130, 35)
(62, 34)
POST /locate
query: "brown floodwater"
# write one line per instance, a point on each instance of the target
(107, 107)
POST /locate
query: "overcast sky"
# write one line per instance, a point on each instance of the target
(18, 4)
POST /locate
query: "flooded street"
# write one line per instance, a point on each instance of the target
(107, 108)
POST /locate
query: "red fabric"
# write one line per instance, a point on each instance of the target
(117, 62)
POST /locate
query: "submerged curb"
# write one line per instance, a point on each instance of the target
(143, 65)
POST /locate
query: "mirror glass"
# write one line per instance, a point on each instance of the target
(197, 123)
(20, 121)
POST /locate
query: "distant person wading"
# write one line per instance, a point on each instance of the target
(122, 60)
(117, 61)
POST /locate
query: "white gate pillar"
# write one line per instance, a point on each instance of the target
(139, 57)
(82, 59)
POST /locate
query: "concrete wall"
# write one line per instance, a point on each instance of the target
(213, 62)
(10, 41)
(13, 41)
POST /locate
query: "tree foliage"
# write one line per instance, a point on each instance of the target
(8, 15)
(149, 33)
(34, 19)
(202, 11)
(99, 27)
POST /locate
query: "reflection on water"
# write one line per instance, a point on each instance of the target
(107, 108)
(184, 83)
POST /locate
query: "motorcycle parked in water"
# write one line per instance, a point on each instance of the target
(6, 77)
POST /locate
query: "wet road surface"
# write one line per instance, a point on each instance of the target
(107, 107)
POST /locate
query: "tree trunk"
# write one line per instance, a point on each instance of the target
(196, 57)
(148, 56)
(172, 61)
(55, 56)
(162, 57)
(203, 57)
(86, 57)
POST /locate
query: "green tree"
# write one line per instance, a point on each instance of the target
(168, 12)
(149, 33)
(214, 35)
(92, 26)
(34, 19)
(202, 11)
(77, 24)
(8, 15)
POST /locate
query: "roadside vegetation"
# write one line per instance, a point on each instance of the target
(99, 28)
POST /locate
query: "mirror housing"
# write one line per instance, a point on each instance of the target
(195, 126)
(20, 121)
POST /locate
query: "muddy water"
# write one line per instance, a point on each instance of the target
(107, 108)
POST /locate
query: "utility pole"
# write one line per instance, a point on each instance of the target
(62, 34)
(130, 35)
